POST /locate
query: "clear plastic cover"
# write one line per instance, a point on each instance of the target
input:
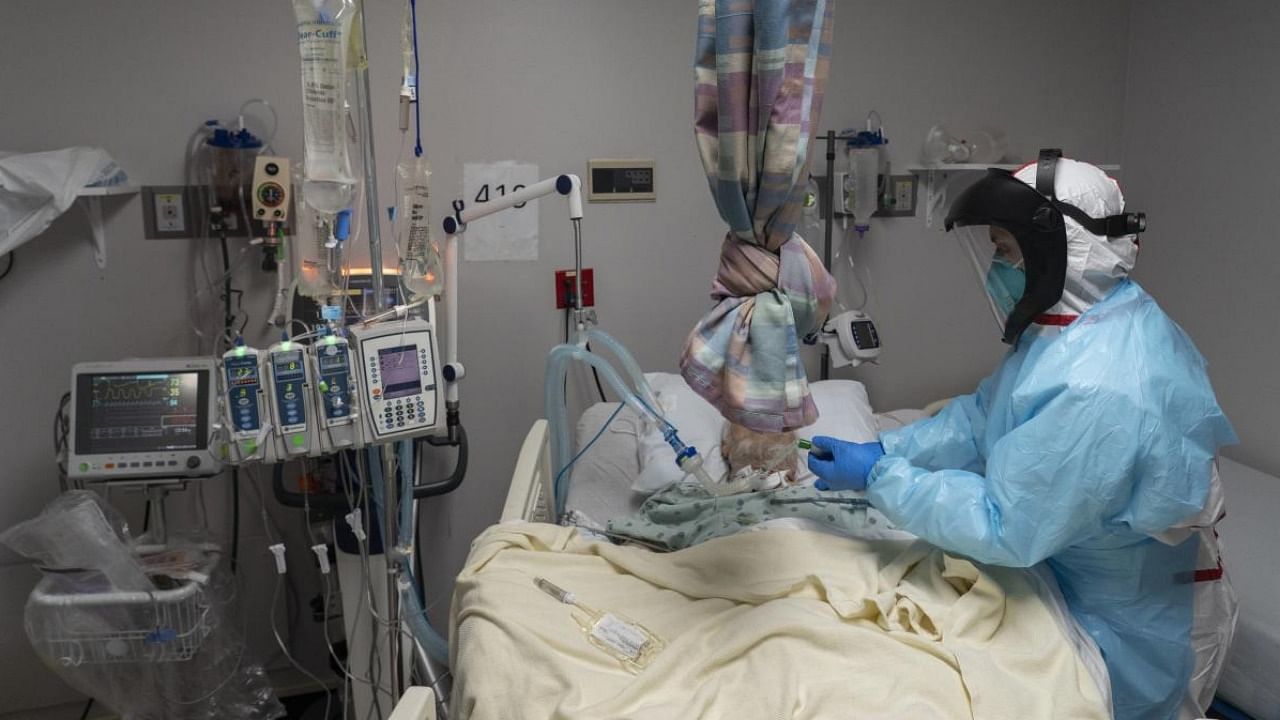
(997, 260)
(165, 644)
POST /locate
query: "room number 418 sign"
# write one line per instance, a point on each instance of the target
(508, 235)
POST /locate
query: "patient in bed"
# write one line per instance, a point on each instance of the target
(760, 461)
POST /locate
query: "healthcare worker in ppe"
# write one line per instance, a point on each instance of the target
(1091, 448)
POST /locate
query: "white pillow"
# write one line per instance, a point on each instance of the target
(843, 408)
(699, 425)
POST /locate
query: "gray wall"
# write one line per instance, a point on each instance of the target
(989, 65)
(552, 82)
(1201, 145)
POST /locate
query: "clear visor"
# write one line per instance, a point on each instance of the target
(997, 260)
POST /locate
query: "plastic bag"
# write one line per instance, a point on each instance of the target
(174, 650)
(78, 532)
(35, 188)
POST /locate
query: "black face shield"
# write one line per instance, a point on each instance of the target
(999, 199)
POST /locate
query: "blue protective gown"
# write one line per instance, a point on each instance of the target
(1086, 442)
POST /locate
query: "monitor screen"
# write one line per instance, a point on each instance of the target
(141, 412)
(399, 366)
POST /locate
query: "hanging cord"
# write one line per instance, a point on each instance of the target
(61, 435)
(8, 267)
(417, 80)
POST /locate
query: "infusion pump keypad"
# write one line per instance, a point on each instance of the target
(400, 376)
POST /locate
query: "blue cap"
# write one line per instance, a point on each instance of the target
(342, 224)
(688, 452)
(284, 336)
(239, 341)
(238, 140)
(868, 138)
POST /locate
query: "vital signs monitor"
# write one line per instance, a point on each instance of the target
(143, 418)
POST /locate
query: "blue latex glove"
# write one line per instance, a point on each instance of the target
(842, 465)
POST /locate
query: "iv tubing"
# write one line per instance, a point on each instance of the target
(431, 641)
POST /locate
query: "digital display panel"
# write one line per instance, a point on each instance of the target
(336, 361)
(141, 412)
(399, 367)
(622, 180)
(290, 376)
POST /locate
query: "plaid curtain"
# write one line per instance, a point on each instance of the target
(761, 69)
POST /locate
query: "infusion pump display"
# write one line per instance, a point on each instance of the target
(398, 362)
(142, 418)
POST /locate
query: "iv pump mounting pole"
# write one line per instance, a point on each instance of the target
(373, 223)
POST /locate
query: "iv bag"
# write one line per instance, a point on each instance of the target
(864, 167)
(323, 30)
(419, 255)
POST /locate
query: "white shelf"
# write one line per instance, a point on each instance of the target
(937, 181)
(90, 198)
(979, 167)
(108, 190)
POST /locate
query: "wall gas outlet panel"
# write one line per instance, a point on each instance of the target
(272, 185)
(621, 181)
(567, 285)
(899, 198)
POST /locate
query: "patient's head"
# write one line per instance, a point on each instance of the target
(743, 447)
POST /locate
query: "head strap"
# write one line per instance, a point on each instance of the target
(1111, 226)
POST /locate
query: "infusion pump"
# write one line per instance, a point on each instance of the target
(379, 384)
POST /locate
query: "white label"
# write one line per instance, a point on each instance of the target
(508, 235)
(622, 636)
(323, 78)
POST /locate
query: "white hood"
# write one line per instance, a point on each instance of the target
(1094, 264)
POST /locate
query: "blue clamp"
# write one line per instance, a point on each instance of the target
(342, 225)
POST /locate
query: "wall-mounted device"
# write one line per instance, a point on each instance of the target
(400, 388)
(244, 414)
(335, 398)
(272, 185)
(289, 392)
(851, 339)
(621, 181)
(143, 418)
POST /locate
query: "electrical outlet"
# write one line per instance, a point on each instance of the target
(170, 212)
(904, 193)
(899, 199)
(566, 287)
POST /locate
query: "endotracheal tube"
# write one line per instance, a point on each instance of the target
(324, 29)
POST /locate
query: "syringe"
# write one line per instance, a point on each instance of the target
(817, 452)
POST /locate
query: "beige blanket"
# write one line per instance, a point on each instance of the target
(773, 624)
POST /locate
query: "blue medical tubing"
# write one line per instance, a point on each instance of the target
(413, 614)
(629, 364)
(417, 81)
(556, 404)
(583, 451)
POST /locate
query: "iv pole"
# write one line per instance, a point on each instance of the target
(364, 127)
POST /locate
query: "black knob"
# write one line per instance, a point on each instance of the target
(193, 462)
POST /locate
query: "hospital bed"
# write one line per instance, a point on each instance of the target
(503, 645)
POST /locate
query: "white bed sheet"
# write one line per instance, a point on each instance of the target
(600, 490)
